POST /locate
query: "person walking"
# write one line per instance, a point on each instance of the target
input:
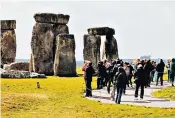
(101, 72)
(89, 72)
(148, 68)
(168, 68)
(140, 81)
(160, 69)
(131, 71)
(120, 80)
(108, 69)
(113, 70)
(172, 71)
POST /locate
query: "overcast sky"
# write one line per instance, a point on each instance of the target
(141, 28)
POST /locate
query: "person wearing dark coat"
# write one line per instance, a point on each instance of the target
(131, 70)
(121, 81)
(140, 81)
(172, 71)
(148, 68)
(100, 75)
(89, 72)
(113, 70)
(160, 69)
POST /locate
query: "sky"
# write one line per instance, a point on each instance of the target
(141, 28)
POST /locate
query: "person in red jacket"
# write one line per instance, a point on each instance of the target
(86, 62)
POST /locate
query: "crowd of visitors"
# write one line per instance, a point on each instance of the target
(120, 74)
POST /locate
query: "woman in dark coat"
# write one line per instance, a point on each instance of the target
(121, 81)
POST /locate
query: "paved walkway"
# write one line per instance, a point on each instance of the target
(149, 100)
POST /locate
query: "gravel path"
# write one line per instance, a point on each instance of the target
(128, 98)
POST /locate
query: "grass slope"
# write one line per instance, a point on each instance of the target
(62, 98)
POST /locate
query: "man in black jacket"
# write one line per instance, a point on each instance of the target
(89, 72)
(140, 81)
(160, 69)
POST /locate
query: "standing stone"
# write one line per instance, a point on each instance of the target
(91, 50)
(42, 48)
(59, 29)
(31, 64)
(8, 41)
(110, 49)
(65, 63)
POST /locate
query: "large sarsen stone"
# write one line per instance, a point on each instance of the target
(42, 48)
(8, 46)
(91, 49)
(110, 49)
(51, 18)
(65, 63)
(101, 31)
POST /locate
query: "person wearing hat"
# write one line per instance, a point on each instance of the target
(172, 71)
(140, 81)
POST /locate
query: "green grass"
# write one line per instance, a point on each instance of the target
(62, 98)
(166, 93)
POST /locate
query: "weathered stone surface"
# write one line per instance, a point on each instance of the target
(8, 46)
(23, 66)
(65, 63)
(51, 18)
(101, 31)
(8, 24)
(59, 29)
(31, 64)
(14, 74)
(91, 49)
(42, 48)
(110, 49)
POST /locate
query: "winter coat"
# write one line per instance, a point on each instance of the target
(160, 67)
(172, 67)
(139, 76)
(101, 71)
(89, 72)
(121, 79)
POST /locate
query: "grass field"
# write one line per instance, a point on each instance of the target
(63, 98)
(166, 93)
